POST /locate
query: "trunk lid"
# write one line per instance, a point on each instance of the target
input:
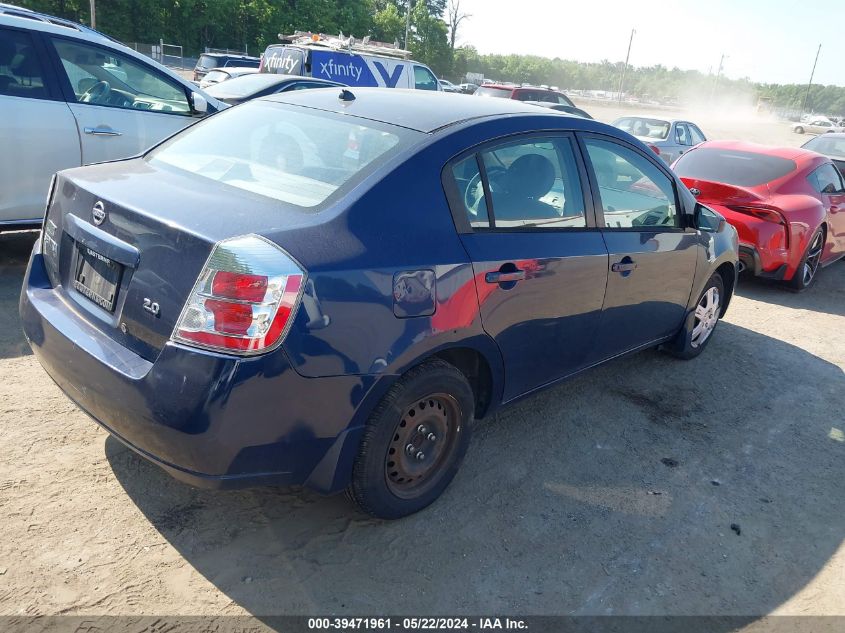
(721, 193)
(149, 231)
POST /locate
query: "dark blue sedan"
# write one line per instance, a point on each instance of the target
(329, 287)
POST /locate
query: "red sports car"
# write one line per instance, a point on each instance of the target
(787, 204)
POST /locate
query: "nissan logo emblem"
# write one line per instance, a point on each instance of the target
(99, 213)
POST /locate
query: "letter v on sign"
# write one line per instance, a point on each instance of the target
(390, 80)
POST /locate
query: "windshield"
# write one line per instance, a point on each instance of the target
(282, 152)
(207, 61)
(834, 147)
(640, 126)
(732, 167)
(493, 92)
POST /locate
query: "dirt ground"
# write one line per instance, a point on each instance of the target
(614, 493)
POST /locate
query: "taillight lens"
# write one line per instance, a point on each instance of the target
(769, 215)
(245, 298)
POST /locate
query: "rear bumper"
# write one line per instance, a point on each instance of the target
(211, 420)
(751, 261)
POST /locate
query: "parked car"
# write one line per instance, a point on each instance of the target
(668, 138)
(348, 61)
(243, 89)
(468, 88)
(212, 61)
(347, 292)
(219, 75)
(523, 93)
(71, 96)
(831, 145)
(562, 108)
(787, 204)
(448, 86)
(816, 126)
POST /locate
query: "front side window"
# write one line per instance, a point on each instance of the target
(20, 68)
(634, 193)
(99, 76)
(423, 79)
(282, 152)
(826, 179)
(534, 183)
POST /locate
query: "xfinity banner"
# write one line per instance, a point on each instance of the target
(284, 61)
(355, 70)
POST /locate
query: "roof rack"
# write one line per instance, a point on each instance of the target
(342, 43)
(29, 14)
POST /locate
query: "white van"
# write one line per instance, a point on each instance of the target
(348, 61)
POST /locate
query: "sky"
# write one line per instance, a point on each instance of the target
(771, 41)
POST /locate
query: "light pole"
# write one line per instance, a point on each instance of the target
(625, 67)
(93, 15)
(813, 72)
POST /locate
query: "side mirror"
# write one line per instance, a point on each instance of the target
(199, 103)
(707, 220)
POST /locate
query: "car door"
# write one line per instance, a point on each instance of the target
(37, 128)
(652, 257)
(683, 137)
(827, 181)
(121, 105)
(539, 261)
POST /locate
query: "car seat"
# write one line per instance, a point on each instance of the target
(529, 178)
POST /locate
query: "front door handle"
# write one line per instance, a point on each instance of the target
(498, 277)
(102, 131)
(623, 267)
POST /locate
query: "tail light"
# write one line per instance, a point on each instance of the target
(763, 213)
(244, 300)
(49, 238)
(654, 149)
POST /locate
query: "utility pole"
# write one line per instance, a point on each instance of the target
(407, 24)
(813, 72)
(93, 15)
(625, 67)
(718, 74)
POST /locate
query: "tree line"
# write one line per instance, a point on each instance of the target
(251, 25)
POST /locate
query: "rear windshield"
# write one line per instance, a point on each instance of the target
(741, 169)
(640, 126)
(827, 145)
(294, 155)
(494, 92)
(207, 61)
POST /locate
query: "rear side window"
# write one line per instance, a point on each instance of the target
(20, 68)
(682, 134)
(733, 167)
(207, 62)
(634, 193)
(826, 179)
(467, 177)
(282, 152)
(424, 79)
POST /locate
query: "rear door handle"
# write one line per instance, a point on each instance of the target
(497, 277)
(102, 131)
(619, 267)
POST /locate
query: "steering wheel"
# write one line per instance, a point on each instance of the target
(474, 193)
(96, 93)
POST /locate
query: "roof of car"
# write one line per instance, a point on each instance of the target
(797, 154)
(27, 18)
(229, 55)
(424, 111)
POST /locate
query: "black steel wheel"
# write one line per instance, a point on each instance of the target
(414, 441)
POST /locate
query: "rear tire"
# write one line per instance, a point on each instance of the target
(699, 327)
(414, 442)
(808, 269)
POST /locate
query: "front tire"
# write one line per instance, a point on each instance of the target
(799, 130)
(414, 442)
(699, 327)
(808, 269)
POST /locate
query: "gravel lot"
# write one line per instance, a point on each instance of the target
(611, 494)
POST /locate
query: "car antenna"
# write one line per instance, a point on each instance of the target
(346, 95)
